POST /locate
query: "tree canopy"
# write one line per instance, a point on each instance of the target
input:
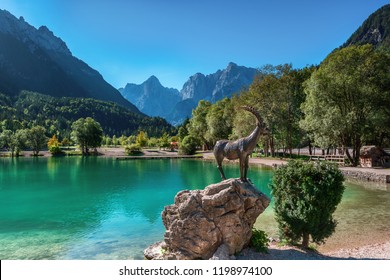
(347, 100)
(87, 133)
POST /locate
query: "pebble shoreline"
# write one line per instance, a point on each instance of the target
(369, 252)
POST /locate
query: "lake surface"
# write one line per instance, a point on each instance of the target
(100, 208)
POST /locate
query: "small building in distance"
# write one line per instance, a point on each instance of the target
(373, 156)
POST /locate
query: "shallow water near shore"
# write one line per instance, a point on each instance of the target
(100, 208)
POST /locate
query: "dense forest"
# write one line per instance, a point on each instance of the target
(30, 109)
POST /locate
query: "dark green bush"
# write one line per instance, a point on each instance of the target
(306, 195)
(259, 240)
(188, 145)
(133, 149)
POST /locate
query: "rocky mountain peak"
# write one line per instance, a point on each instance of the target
(24, 32)
(231, 65)
(151, 97)
(152, 81)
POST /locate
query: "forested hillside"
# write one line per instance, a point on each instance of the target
(375, 30)
(57, 114)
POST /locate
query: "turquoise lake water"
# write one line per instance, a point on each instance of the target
(100, 208)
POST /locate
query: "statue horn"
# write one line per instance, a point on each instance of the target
(254, 112)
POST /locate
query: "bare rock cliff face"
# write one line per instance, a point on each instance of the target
(201, 221)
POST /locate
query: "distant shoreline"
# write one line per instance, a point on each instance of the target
(364, 175)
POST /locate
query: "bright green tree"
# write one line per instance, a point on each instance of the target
(347, 99)
(183, 130)
(36, 139)
(123, 140)
(142, 139)
(87, 133)
(114, 141)
(13, 141)
(153, 142)
(106, 140)
(306, 196)
(219, 120)
(164, 141)
(197, 126)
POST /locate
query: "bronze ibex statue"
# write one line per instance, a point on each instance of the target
(242, 148)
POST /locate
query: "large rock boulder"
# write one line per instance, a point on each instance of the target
(201, 221)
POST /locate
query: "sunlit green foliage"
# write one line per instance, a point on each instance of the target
(87, 133)
(347, 101)
(142, 139)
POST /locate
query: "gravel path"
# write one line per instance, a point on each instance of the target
(371, 252)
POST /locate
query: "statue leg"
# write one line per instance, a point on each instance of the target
(246, 167)
(221, 172)
(242, 169)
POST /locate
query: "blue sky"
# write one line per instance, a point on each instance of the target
(129, 40)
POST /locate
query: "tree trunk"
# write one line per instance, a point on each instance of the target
(358, 145)
(305, 240)
(310, 149)
(266, 148)
(272, 146)
(349, 155)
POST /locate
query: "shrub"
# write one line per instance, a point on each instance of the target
(54, 145)
(133, 149)
(306, 195)
(259, 240)
(188, 145)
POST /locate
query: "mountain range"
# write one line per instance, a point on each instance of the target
(36, 60)
(155, 100)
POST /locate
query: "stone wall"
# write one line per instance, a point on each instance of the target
(367, 176)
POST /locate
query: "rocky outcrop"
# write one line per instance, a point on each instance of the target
(202, 221)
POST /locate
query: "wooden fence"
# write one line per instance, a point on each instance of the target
(339, 159)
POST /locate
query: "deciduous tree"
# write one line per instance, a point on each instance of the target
(87, 133)
(36, 139)
(347, 100)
